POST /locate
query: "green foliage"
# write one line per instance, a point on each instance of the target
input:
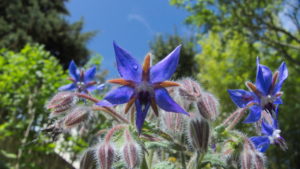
(43, 22)
(263, 21)
(226, 65)
(161, 47)
(27, 80)
(233, 34)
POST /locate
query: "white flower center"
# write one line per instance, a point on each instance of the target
(275, 135)
(267, 99)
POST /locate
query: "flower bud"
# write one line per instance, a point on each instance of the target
(61, 102)
(131, 154)
(208, 106)
(76, 116)
(199, 133)
(87, 160)
(130, 151)
(105, 155)
(173, 122)
(250, 157)
(246, 156)
(190, 89)
(258, 161)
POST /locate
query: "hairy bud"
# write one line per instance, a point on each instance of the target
(130, 151)
(105, 155)
(173, 122)
(259, 161)
(250, 157)
(61, 102)
(131, 154)
(87, 160)
(190, 89)
(199, 133)
(76, 116)
(208, 106)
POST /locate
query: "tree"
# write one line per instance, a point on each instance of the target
(233, 34)
(262, 21)
(43, 22)
(162, 45)
(27, 79)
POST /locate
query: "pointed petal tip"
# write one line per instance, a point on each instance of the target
(165, 68)
(104, 103)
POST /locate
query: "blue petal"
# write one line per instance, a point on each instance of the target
(283, 74)
(241, 97)
(104, 103)
(71, 86)
(275, 124)
(263, 78)
(261, 143)
(266, 129)
(254, 115)
(119, 95)
(164, 101)
(91, 88)
(164, 69)
(141, 113)
(128, 67)
(73, 71)
(89, 75)
(278, 101)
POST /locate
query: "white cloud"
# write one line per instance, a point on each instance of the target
(141, 20)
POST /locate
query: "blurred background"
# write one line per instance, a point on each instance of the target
(221, 39)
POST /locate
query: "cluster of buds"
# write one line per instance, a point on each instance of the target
(250, 158)
(106, 152)
(61, 102)
(63, 108)
(206, 103)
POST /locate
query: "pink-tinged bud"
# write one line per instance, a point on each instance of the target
(130, 151)
(247, 154)
(250, 157)
(208, 106)
(61, 102)
(199, 134)
(105, 155)
(131, 154)
(190, 89)
(87, 160)
(77, 116)
(173, 122)
(259, 161)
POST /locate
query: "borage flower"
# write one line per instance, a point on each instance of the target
(265, 93)
(144, 85)
(83, 81)
(271, 135)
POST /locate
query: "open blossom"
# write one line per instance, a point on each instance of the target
(82, 81)
(270, 135)
(144, 85)
(265, 94)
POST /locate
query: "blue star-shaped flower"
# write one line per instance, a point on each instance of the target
(264, 95)
(144, 85)
(271, 135)
(83, 81)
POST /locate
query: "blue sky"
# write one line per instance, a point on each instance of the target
(131, 23)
